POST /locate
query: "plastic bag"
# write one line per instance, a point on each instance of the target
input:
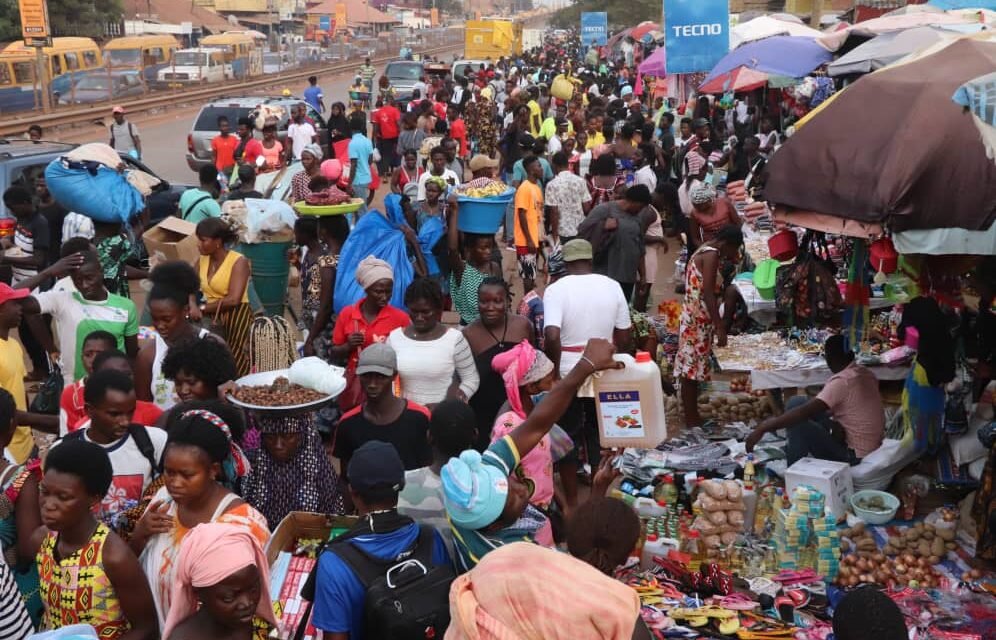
(49, 393)
(268, 220)
(315, 373)
(93, 190)
(375, 236)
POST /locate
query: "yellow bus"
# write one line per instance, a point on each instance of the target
(240, 51)
(150, 53)
(67, 58)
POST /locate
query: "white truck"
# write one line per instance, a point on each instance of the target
(195, 66)
(532, 38)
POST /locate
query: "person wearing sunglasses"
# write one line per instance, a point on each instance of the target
(485, 500)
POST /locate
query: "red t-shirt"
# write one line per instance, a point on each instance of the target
(458, 131)
(351, 320)
(440, 109)
(252, 150)
(387, 119)
(72, 408)
(224, 148)
(146, 414)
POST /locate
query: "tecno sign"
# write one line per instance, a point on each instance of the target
(690, 30)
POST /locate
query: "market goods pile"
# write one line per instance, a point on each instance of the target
(330, 196)
(279, 394)
(721, 507)
(494, 188)
(726, 408)
(906, 560)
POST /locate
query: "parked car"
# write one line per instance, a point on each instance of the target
(105, 86)
(403, 76)
(205, 126)
(277, 61)
(194, 66)
(461, 67)
(22, 161)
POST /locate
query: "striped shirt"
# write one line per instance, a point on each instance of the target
(29, 236)
(14, 621)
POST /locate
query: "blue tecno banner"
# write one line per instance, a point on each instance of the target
(594, 28)
(698, 34)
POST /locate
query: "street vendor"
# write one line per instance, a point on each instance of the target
(844, 422)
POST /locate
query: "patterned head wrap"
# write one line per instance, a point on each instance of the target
(236, 465)
(703, 194)
(305, 482)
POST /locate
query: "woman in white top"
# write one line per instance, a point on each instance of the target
(174, 285)
(429, 353)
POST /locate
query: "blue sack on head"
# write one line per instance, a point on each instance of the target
(374, 236)
(93, 189)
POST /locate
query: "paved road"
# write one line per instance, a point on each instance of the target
(164, 135)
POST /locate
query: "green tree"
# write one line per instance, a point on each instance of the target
(66, 17)
(622, 13)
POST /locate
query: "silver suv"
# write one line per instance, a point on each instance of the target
(205, 125)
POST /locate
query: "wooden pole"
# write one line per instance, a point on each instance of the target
(43, 81)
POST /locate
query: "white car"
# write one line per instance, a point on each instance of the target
(194, 66)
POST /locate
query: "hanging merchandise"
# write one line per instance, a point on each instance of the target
(856, 298)
(884, 258)
(807, 289)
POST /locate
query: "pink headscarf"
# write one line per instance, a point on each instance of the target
(558, 598)
(210, 553)
(519, 366)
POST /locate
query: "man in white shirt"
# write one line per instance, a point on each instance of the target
(580, 306)
(437, 169)
(300, 133)
(135, 451)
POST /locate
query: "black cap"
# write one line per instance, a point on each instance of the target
(526, 140)
(376, 465)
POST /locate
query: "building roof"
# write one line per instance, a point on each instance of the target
(357, 12)
(173, 12)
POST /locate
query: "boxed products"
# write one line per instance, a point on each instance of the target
(832, 479)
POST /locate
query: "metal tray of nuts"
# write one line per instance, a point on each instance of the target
(267, 378)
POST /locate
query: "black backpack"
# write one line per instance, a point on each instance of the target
(407, 597)
(142, 440)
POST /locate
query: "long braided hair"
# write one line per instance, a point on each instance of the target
(271, 344)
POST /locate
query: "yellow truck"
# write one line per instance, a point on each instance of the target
(492, 39)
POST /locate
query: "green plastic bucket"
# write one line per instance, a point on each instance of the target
(270, 269)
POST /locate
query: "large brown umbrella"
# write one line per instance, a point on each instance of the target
(893, 148)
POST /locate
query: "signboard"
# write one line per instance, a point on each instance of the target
(594, 28)
(325, 23)
(340, 16)
(34, 23)
(698, 34)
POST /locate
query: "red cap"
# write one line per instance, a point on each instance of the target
(7, 294)
(651, 537)
(643, 356)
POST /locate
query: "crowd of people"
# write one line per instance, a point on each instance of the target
(144, 505)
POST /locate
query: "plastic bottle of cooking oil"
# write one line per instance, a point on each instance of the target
(691, 546)
(630, 404)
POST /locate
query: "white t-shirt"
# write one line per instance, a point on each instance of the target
(646, 176)
(301, 136)
(584, 307)
(426, 367)
(77, 317)
(451, 178)
(132, 471)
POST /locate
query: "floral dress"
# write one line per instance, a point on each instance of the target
(114, 253)
(311, 289)
(694, 357)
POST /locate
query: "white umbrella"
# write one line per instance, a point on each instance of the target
(765, 27)
(884, 50)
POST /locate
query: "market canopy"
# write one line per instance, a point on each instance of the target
(655, 65)
(740, 79)
(883, 50)
(894, 148)
(765, 27)
(894, 22)
(792, 56)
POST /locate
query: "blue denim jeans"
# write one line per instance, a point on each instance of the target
(361, 192)
(812, 438)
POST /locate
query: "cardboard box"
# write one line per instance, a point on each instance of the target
(832, 479)
(172, 239)
(302, 524)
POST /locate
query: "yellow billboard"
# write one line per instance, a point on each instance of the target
(34, 22)
(340, 17)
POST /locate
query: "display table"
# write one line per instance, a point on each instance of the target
(773, 364)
